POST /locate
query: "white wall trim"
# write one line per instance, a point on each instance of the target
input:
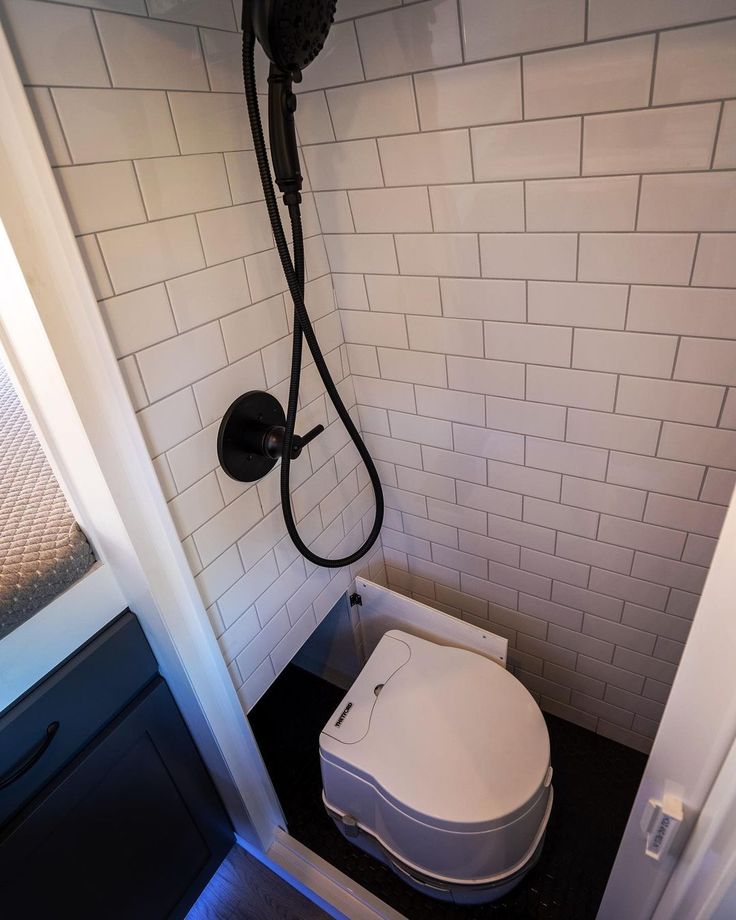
(61, 357)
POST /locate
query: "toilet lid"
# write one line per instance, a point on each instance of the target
(450, 737)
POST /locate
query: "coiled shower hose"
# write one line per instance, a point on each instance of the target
(294, 274)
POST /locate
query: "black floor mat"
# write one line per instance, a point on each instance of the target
(595, 781)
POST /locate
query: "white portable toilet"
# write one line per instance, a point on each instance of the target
(437, 762)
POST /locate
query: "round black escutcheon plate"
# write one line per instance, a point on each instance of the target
(240, 440)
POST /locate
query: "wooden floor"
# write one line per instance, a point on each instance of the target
(244, 889)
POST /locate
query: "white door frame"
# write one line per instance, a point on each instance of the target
(691, 749)
(60, 356)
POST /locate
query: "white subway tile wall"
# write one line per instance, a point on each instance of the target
(528, 221)
(543, 362)
(144, 121)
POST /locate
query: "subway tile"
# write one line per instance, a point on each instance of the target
(405, 501)
(365, 328)
(575, 680)
(427, 431)
(446, 336)
(496, 378)
(448, 254)
(682, 604)
(243, 176)
(528, 343)
(578, 642)
(640, 536)
(347, 164)
(223, 59)
(147, 53)
(560, 517)
(138, 319)
(650, 140)
(385, 394)
(419, 37)
(539, 256)
(458, 466)
(253, 328)
(695, 444)
(580, 389)
(528, 150)
(314, 122)
(285, 586)
(437, 573)
(476, 298)
(213, 581)
(696, 63)
(141, 255)
(215, 393)
(649, 708)
(588, 601)
(208, 294)
(49, 126)
(91, 254)
(643, 664)
(406, 544)
(696, 516)
(338, 62)
(669, 399)
(448, 98)
(613, 714)
(495, 501)
(521, 580)
(228, 233)
(463, 562)
(683, 575)
(457, 516)
(216, 13)
(555, 708)
(334, 212)
(349, 9)
(592, 552)
(688, 201)
(651, 258)
(395, 210)
(561, 457)
(424, 159)
(54, 45)
(169, 421)
(582, 204)
(196, 505)
(553, 567)
(489, 548)
(699, 550)
(210, 122)
(480, 208)
(492, 28)
(626, 588)
(602, 496)
(434, 531)
(412, 366)
(133, 382)
(194, 458)
(669, 650)
(627, 16)
(624, 352)
(239, 634)
(545, 650)
(718, 486)
(524, 479)
(542, 686)
(725, 155)
(430, 485)
(589, 78)
(227, 526)
(100, 196)
(394, 450)
(373, 109)
(403, 294)
(706, 361)
(659, 475)
(487, 442)
(366, 252)
(525, 417)
(654, 621)
(683, 311)
(715, 264)
(577, 304)
(498, 594)
(522, 533)
(181, 185)
(602, 429)
(455, 407)
(177, 362)
(103, 124)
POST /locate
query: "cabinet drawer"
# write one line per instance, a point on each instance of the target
(48, 726)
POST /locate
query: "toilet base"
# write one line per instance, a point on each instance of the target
(426, 884)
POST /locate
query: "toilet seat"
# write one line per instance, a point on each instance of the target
(442, 757)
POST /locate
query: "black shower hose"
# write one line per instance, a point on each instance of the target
(294, 274)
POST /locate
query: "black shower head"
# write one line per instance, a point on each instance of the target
(292, 32)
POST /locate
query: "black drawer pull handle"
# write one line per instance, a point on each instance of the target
(35, 755)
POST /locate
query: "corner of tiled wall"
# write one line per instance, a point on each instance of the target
(528, 212)
(141, 109)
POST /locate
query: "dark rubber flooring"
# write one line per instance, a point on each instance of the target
(595, 781)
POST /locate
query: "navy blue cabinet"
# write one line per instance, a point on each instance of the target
(131, 826)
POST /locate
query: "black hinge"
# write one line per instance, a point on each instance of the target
(355, 600)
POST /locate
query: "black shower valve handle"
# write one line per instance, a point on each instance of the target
(273, 441)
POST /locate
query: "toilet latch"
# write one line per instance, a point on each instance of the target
(350, 826)
(660, 822)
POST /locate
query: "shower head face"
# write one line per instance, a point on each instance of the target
(292, 32)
